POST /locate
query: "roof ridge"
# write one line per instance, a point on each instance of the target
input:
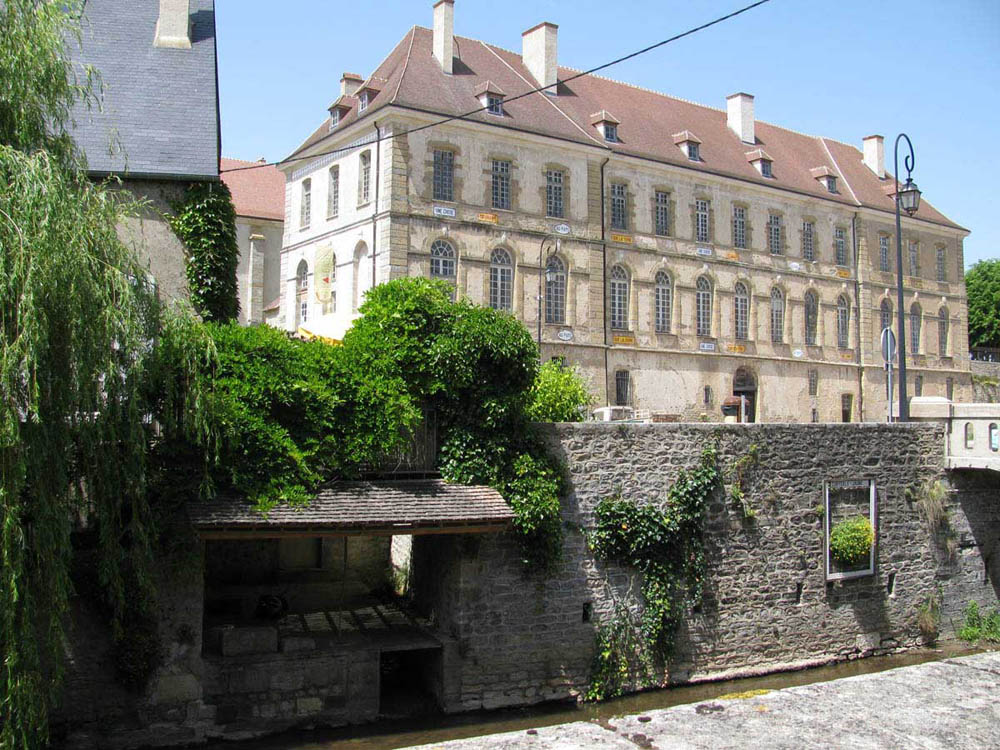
(406, 64)
(840, 171)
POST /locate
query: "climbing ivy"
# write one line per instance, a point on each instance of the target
(665, 544)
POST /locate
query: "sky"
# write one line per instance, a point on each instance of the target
(837, 68)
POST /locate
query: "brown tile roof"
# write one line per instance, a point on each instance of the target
(649, 120)
(258, 193)
(400, 506)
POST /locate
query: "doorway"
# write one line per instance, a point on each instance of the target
(745, 385)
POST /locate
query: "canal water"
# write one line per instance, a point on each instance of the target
(386, 735)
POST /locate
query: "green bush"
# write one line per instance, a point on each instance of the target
(559, 394)
(979, 627)
(851, 540)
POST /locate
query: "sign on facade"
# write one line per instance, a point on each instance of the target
(444, 211)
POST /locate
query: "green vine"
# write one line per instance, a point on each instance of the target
(665, 544)
(205, 221)
(740, 475)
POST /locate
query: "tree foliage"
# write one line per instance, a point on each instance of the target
(559, 394)
(982, 285)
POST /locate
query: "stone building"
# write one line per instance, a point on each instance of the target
(677, 253)
(157, 129)
(259, 198)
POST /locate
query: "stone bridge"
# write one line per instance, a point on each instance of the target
(972, 435)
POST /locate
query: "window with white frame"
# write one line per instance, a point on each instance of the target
(501, 280)
(840, 245)
(662, 302)
(494, 105)
(694, 151)
(662, 210)
(808, 240)
(843, 321)
(916, 318)
(610, 132)
(364, 177)
(619, 298)
(943, 332)
(444, 175)
(811, 308)
(443, 261)
(305, 204)
(914, 258)
(701, 220)
(765, 168)
(739, 227)
(942, 272)
(741, 312)
(554, 180)
(363, 101)
(500, 174)
(333, 192)
(703, 307)
(883, 253)
(555, 290)
(619, 204)
(301, 293)
(777, 316)
(774, 234)
(334, 118)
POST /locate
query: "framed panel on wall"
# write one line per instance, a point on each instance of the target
(850, 526)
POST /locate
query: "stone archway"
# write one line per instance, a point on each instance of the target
(745, 384)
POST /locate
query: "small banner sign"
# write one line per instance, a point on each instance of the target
(706, 346)
(488, 218)
(847, 356)
(625, 239)
(623, 338)
(843, 273)
(704, 251)
(732, 256)
(737, 348)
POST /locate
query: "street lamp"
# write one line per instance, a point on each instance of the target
(549, 276)
(907, 198)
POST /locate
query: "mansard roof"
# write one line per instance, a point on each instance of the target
(414, 80)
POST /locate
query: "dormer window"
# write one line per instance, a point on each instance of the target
(491, 98)
(765, 168)
(606, 124)
(689, 143)
(761, 161)
(363, 101)
(831, 184)
(826, 176)
(334, 118)
(494, 105)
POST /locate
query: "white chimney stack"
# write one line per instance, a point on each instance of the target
(444, 33)
(173, 27)
(874, 150)
(739, 116)
(539, 50)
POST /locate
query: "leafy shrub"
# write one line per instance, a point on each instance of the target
(851, 540)
(979, 627)
(559, 394)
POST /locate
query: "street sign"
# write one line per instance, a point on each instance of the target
(888, 345)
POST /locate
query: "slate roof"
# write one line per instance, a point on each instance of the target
(410, 77)
(161, 104)
(258, 193)
(400, 506)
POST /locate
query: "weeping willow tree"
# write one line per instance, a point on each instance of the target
(87, 368)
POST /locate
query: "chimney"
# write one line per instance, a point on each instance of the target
(874, 150)
(539, 50)
(173, 27)
(349, 83)
(739, 116)
(444, 33)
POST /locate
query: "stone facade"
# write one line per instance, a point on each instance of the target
(986, 382)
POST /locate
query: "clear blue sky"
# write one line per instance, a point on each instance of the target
(823, 67)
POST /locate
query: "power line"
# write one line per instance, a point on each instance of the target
(463, 116)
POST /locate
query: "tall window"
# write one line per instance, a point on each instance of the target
(555, 291)
(663, 302)
(943, 332)
(808, 240)
(843, 321)
(812, 317)
(774, 234)
(619, 202)
(942, 272)
(444, 175)
(884, 318)
(846, 406)
(501, 184)
(914, 258)
(703, 307)
(362, 101)
(739, 227)
(301, 293)
(662, 213)
(554, 193)
(916, 317)
(918, 385)
(741, 311)
(840, 245)
(364, 177)
(619, 298)
(777, 316)
(501, 280)
(443, 261)
(813, 382)
(701, 208)
(333, 193)
(305, 205)
(883, 252)
(623, 388)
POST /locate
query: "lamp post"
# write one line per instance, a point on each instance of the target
(548, 274)
(907, 198)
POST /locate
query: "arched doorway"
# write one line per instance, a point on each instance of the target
(745, 384)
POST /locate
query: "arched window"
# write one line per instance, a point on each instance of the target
(301, 293)
(777, 316)
(442, 260)
(501, 280)
(663, 302)
(741, 311)
(843, 321)
(555, 291)
(994, 435)
(916, 316)
(812, 316)
(302, 277)
(970, 436)
(305, 204)
(703, 307)
(943, 332)
(619, 298)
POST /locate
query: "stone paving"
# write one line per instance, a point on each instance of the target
(953, 704)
